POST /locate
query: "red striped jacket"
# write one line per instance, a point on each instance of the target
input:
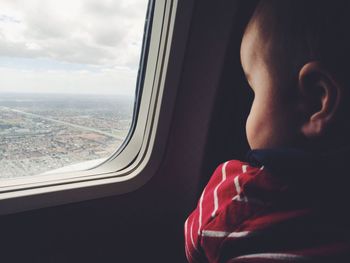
(246, 215)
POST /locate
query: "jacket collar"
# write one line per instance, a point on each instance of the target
(296, 166)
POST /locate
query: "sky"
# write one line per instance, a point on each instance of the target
(70, 46)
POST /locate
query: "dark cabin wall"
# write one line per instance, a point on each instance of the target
(226, 135)
(147, 224)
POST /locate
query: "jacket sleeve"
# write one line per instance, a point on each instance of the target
(208, 220)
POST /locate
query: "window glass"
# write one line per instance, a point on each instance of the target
(68, 73)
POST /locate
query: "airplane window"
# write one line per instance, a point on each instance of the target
(68, 75)
(81, 91)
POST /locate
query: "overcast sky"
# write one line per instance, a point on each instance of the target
(70, 46)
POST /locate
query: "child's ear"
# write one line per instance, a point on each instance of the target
(320, 98)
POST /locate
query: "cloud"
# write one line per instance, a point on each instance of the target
(97, 32)
(99, 36)
(8, 19)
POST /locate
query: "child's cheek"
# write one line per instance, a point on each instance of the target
(249, 127)
(256, 126)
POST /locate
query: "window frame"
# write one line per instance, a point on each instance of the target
(139, 157)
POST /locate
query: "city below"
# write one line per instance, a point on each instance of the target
(44, 132)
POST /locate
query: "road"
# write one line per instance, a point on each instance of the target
(64, 123)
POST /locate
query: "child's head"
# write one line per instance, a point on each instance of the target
(295, 54)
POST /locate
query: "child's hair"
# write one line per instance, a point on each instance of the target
(307, 30)
(300, 31)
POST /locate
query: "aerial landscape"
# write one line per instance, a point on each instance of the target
(43, 132)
